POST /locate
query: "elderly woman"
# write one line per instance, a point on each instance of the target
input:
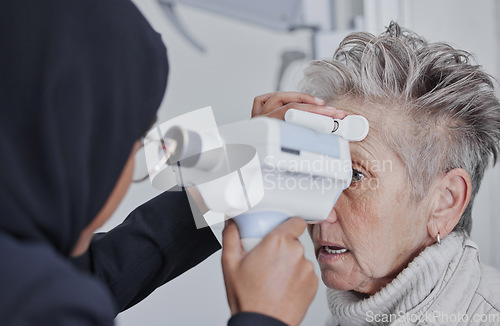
(395, 249)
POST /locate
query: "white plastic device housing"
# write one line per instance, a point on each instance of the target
(312, 179)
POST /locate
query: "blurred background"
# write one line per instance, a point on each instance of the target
(223, 53)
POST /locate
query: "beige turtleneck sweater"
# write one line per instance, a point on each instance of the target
(445, 282)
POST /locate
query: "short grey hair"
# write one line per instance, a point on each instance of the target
(447, 101)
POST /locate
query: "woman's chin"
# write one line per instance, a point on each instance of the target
(338, 274)
(335, 281)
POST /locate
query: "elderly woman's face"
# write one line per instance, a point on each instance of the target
(374, 219)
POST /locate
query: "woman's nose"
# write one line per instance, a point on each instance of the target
(331, 218)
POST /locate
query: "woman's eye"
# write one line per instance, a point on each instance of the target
(356, 175)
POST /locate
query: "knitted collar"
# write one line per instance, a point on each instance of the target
(405, 292)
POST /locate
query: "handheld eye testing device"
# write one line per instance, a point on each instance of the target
(263, 171)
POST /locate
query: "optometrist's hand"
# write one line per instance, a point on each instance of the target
(276, 104)
(274, 279)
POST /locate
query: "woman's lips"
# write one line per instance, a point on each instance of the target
(330, 253)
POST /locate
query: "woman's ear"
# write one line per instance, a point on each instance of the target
(451, 197)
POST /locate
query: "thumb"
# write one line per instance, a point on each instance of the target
(232, 252)
(294, 226)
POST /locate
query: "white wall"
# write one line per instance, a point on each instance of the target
(472, 26)
(242, 62)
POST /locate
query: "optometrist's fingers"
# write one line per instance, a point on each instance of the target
(266, 103)
(332, 112)
(285, 237)
(232, 255)
(275, 278)
(294, 227)
(232, 251)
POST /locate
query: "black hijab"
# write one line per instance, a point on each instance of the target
(80, 82)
